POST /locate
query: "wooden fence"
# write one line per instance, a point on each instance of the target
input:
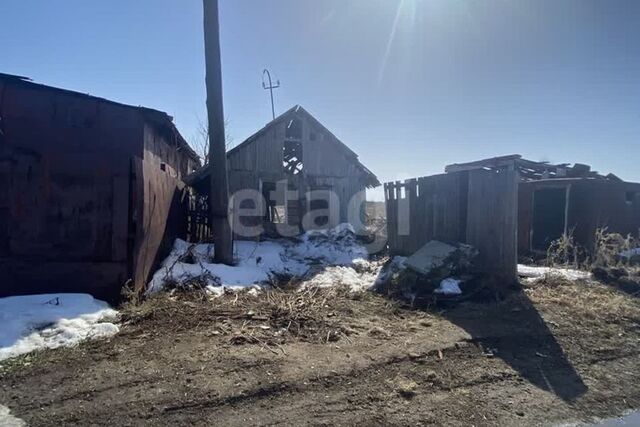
(478, 207)
(198, 229)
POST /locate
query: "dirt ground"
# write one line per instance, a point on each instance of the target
(554, 352)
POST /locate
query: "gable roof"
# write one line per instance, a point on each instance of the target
(161, 120)
(372, 180)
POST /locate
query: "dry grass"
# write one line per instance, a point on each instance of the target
(565, 252)
(608, 246)
(405, 387)
(270, 318)
(587, 299)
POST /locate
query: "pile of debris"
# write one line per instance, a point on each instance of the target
(438, 270)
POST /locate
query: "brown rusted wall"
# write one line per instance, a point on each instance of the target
(593, 204)
(65, 204)
(161, 216)
(68, 161)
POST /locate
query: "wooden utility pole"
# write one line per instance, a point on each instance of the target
(219, 193)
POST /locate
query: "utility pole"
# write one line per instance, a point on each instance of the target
(270, 87)
(219, 192)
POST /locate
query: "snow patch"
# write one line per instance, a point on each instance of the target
(258, 263)
(346, 276)
(36, 322)
(534, 272)
(630, 253)
(449, 286)
(8, 420)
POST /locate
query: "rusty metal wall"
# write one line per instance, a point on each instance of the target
(161, 209)
(65, 199)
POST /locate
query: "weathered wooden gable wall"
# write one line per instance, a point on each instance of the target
(326, 164)
(260, 159)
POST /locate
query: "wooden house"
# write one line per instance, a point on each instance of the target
(296, 165)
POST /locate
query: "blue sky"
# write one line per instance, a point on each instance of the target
(409, 85)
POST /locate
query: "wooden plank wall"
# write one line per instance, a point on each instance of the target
(593, 204)
(423, 209)
(492, 221)
(475, 207)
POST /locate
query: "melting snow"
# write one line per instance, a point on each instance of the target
(325, 257)
(36, 322)
(534, 272)
(449, 286)
(347, 276)
(8, 420)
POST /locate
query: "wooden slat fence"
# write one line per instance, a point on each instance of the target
(477, 207)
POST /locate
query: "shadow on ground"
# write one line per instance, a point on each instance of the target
(517, 334)
(619, 279)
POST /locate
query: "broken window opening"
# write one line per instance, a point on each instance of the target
(292, 149)
(630, 197)
(292, 157)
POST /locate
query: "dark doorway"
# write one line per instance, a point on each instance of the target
(275, 206)
(549, 216)
(319, 200)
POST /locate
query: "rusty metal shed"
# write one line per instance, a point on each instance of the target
(90, 193)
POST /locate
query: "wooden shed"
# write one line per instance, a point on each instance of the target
(559, 199)
(505, 206)
(90, 193)
(296, 154)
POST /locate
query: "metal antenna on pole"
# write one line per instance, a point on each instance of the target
(271, 87)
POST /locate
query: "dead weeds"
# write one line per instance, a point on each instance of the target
(588, 299)
(269, 318)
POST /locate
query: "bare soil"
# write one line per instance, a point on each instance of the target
(553, 352)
